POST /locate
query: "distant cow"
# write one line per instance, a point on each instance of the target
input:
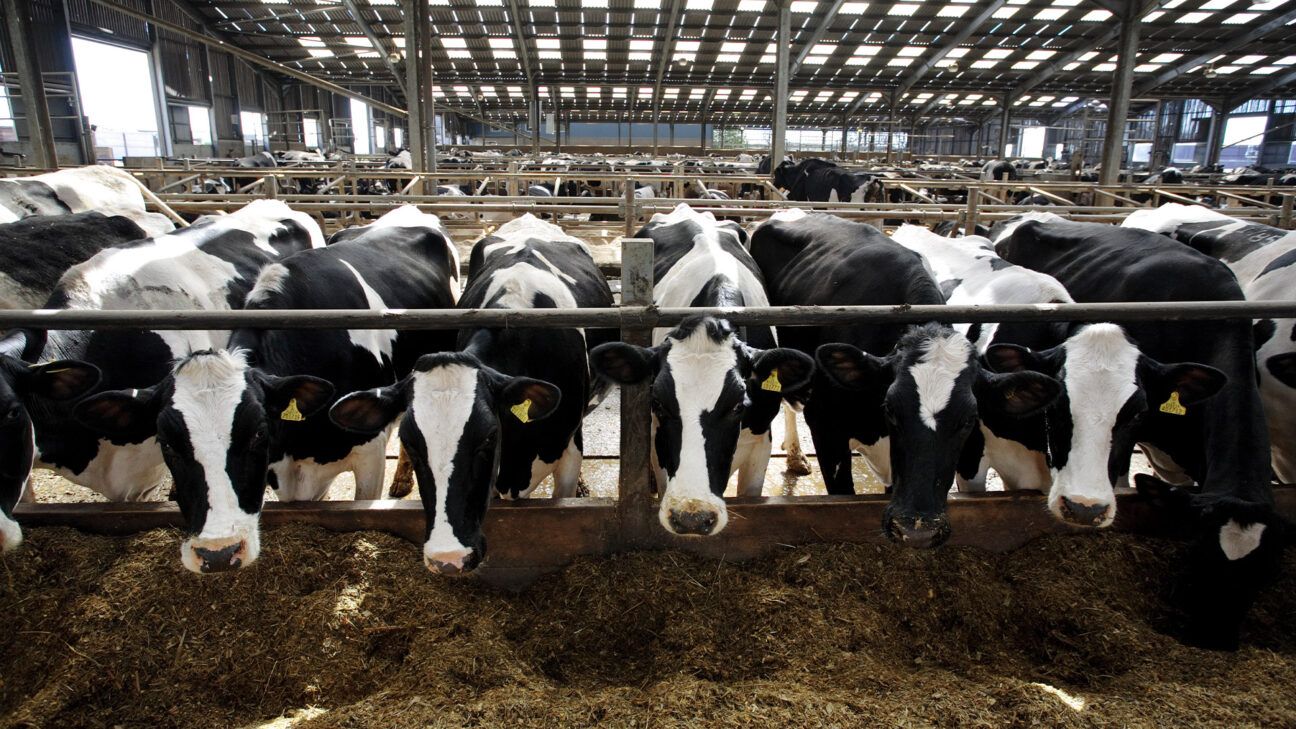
(35, 251)
(716, 388)
(97, 188)
(260, 159)
(229, 419)
(505, 411)
(823, 181)
(907, 397)
(998, 170)
(210, 265)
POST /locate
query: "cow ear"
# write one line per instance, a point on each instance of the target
(1188, 382)
(65, 379)
(624, 364)
(781, 371)
(295, 398)
(369, 411)
(1017, 395)
(851, 367)
(130, 414)
(1283, 368)
(528, 400)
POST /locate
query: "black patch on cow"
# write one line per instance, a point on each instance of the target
(35, 251)
(948, 286)
(1279, 263)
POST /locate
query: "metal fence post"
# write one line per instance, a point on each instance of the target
(628, 211)
(634, 486)
(1285, 217)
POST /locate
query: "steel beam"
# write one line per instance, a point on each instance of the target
(668, 44)
(778, 126)
(40, 130)
(375, 41)
(816, 35)
(1237, 42)
(959, 38)
(1275, 81)
(1118, 104)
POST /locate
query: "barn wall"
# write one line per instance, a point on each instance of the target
(54, 53)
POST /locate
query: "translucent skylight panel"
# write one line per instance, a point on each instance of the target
(645, 91)
(1286, 61)
(721, 94)
(1104, 67)
(596, 55)
(1193, 18)
(1217, 4)
(726, 47)
(998, 53)
(899, 62)
(594, 44)
(699, 5)
(500, 42)
(852, 8)
(1050, 13)
(952, 11)
(1024, 65)
(813, 60)
(1040, 55)
(911, 51)
(458, 53)
(804, 6)
(984, 64)
(687, 46)
(1153, 16)
(320, 52)
(358, 41)
(1248, 60)
(641, 44)
(647, 4)
(639, 56)
(751, 6)
(1087, 56)
(1225, 70)
(903, 9)
(515, 91)
(1147, 68)
(732, 57)
(308, 41)
(1264, 70)
(1095, 16)
(1005, 12)
(548, 43)
(546, 55)
(593, 4)
(1166, 57)
(463, 90)
(823, 49)
(1240, 18)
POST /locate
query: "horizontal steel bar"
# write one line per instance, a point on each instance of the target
(638, 316)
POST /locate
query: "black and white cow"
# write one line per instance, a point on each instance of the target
(97, 188)
(209, 265)
(998, 170)
(471, 418)
(229, 419)
(1142, 385)
(715, 389)
(906, 397)
(259, 160)
(35, 251)
(402, 160)
(1261, 257)
(819, 180)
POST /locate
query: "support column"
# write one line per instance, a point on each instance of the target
(656, 122)
(40, 131)
(1215, 132)
(418, 84)
(1005, 125)
(778, 125)
(534, 119)
(1118, 104)
(844, 133)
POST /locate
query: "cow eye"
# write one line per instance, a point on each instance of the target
(13, 414)
(258, 439)
(739, 408)
(167, 448)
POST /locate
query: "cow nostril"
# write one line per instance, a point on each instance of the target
(220, 560)
(1083, 514)
(693, 523)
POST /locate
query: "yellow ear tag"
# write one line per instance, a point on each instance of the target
(291, 412)
(772, 383)
(522, 411)
(1172, 405)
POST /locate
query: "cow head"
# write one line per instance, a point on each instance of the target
(707, 384)
(456, 411)
(23, 386)
(930, 390)
(785, 174)
(214, 418)
(1108, 388)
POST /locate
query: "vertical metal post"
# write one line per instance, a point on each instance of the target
(783, 44)
(413, 96)
(1005, 122)
(844, 133)
(534, 113)
(1118, 104)
(634, 496)
(1215, 132)
(40, 131)
(628, 209)
(656, 122)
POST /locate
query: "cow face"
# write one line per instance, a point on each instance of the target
(456, 412)
(785, 174)
(215, 419)
(23, 386)
(930, 390)
(1109, 388)
(707, 385)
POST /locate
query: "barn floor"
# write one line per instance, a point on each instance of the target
(349, 630)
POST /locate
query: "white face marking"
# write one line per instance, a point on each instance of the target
(943, 360)
(1100, 377)
(442, 403)
(700, 369)
(1237, 541)
(208, 389)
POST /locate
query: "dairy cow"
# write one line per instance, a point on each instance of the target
(1201, 425)
(35, 251)
(715, 388)
(229, 419)
(1261, 257)
(504, 412)
(210, 265)
(97, 188)
(907, 397)
(823, 181)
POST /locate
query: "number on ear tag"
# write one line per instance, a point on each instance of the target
(1173, 406)
(772, 383)
(522, 411)
(291, 413)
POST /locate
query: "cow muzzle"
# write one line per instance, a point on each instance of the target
(918, 531)
(693, 517)
(453, 563)
(1086, 512)
(216, 555)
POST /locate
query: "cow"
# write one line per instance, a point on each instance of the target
(210, 265)
(951, 228)
(35, 251)
(998, 170)
(402, 160)
(1167, 176)
(907, 397)
(97, 188)
(716, 388)
(504, 411)
(1184, 391)
(1261, 258)
(297, 155)
(231, 419)
(819, 180)
(1003, 229)
(261, 159)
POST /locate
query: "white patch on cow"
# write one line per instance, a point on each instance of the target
(208, 389)
(131, 472)
(100, 188)
(442, 403)
(14, 295)
(306, 479)
(751, 457)
(402, 160)
(832, 195)
(10, 534)
(701, 368)
(942, 361)
(860, 193)
(1018, 467)
(1167, 218)
(378, 342)
(790, 215)
(1100, 376)
(1237, 541)
(1007, 230)
(270, 281)
(877, 456)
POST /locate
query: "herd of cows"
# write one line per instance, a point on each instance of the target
(486, 412)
